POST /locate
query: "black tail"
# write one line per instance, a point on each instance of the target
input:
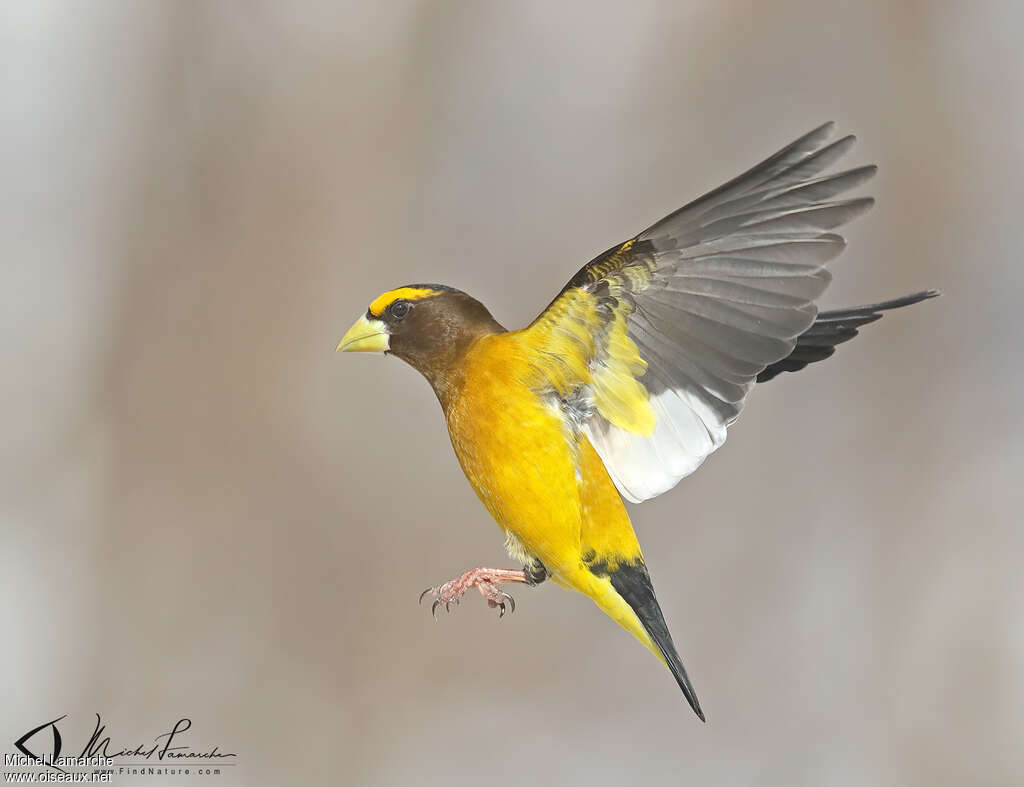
(633, 583)
(835, 327)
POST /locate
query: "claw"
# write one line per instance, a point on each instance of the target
(433, 608)
(428, 590)
(501, 605)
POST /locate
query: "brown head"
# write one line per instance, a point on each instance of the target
(429, 326)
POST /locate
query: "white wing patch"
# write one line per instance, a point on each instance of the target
(643, 467)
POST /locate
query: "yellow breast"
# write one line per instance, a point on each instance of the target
(542, 483)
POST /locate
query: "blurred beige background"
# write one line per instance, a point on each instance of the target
(207, 513)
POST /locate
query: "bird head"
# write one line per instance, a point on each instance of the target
(429, 326)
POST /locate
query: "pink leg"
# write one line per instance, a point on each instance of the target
(486, 580)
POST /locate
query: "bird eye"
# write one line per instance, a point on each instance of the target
(399, 309)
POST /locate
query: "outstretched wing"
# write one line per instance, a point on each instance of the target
(653, 346)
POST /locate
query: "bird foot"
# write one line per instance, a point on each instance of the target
(486, 580)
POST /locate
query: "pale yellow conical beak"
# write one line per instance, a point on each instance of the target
(366, 336)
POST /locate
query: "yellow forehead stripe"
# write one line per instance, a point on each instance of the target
(406, 293)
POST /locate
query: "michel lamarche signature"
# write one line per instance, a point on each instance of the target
(169, 746)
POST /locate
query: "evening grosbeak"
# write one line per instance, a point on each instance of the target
(630, 377)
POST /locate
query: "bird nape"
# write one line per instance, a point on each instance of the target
(629, 379)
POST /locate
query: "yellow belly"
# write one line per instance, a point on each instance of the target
(543, 484)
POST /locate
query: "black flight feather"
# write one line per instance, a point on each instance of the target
(835, 327)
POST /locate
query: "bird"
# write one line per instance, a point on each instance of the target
(631, 376)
